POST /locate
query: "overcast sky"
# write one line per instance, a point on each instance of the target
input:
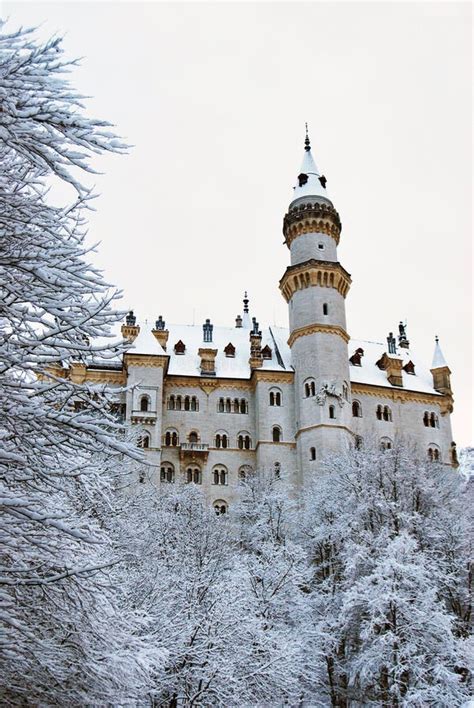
(214, 97)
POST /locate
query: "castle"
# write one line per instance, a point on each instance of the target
(213, 403)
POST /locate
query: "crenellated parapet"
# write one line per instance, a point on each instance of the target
(315, 272)
(311, 218)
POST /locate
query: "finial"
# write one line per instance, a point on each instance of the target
(437, 339)
(246, 302)
(307, 145)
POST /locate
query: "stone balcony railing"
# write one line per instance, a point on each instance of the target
(147, 417)
(193, 451)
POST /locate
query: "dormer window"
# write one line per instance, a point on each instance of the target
(180, 347)
(356, 358)
(229, 350)
(266, 352)
(409, 368)
(302, 179)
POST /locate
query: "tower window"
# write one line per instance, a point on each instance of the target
(356, 409)
(325, 309)
(219, 475)
(312, 453)
(332, 412)
(220, 507)
(167, 473)
(144, 403)
(276, 434)
(275, 398)
(321, 246)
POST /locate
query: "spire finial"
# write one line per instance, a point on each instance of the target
(246, 302)
(307, 144)
(437, 339)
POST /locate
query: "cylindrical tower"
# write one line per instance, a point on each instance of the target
(315, 286)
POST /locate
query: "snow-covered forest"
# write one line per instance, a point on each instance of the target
(355, 592)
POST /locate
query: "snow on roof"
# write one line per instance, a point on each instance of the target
(238, 367)
(438, 357)
(313, 187)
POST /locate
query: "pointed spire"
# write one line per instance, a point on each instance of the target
(438, 357)
(311, 183)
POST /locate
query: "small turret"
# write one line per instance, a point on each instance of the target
(256, 358)
(160, 332)
(130, 329)
(440, 371)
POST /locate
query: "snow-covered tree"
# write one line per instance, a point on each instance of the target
(388, 537)
(61, 635)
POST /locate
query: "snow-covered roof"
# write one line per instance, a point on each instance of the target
(238, 367)
(313, 186)
(438, 357)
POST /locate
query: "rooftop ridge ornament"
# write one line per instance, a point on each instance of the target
(246, 302)
(307, 144)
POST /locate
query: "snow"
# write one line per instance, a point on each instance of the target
(438, 357)
(313, 187)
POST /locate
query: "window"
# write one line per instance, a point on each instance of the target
(358, 442)
(222, 440)
(345, 390)
(180, 347)
(171, 403)
(167, 472)
(220, 507)
(219, 475)
(187, 403)
(144, 404)
(229, 350)
(244, 442)
(275, 398)
(193, 475)
(309, 388)
(243, 406)
(171, 438)
(312, 453)
(387, 414)
(426, 419)
(409, 368)
(193, 437)
(385, 444)
(378, 412)
(144, 440)
(244, 472)
(433, 453)
(276, 434)
(236, 407)
(194, 403)
(321, 246)
(229, 405)
(332, 412)
(266, 352)
(356, 409)
(178, 403)
(325, 309)
(430, 420)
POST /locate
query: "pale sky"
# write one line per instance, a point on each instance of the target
(214, 97)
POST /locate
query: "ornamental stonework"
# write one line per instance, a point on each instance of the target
(311, 218)
(326, 274)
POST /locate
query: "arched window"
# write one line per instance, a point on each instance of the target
(228, 405)
(236, 405)
(332, 412)
(244, 472)
(356, 409)
(144, 404)
(167, 472)
(272, 398)
(171, 438)
(193, 475)
(222, 440)
(276, 434)
(312, 453)
(171, 403)
(385, 444)
(187, 403)
(193, 437)
(313, 388)
(387, 414)
(426, 419)
(178, 403)
(434, 423)
(220, 507)
(275, 397)
(174, 439)
(219, 475)
(144, 441)
(345, 390)
(433, 453)
(243, 406)
(244, 441)
(325, 309)
(194, 404)
(168, 439)
(309, 388)
(378, 413)
(277, 470)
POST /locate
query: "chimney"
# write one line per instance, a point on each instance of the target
(208, 361)
(130, 329)
(256, 358)
(160, 333)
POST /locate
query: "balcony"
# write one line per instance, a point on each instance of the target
(144, 417)
(192, 452)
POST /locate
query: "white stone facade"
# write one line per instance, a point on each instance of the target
(221, 401)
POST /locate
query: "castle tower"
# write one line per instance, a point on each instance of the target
(315, 286)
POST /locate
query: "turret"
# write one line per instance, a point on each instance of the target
(440, 371)
(315, 286)
(130, 329)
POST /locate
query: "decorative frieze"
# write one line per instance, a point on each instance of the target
(326, 274)
(314, 328)
(311, 218)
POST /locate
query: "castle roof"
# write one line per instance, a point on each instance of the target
(438, 357)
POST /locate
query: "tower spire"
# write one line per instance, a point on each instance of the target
(311, 183)
(307, 144)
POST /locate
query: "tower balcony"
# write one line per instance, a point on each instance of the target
(193, 451)
(326, 274)
(144, 417)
